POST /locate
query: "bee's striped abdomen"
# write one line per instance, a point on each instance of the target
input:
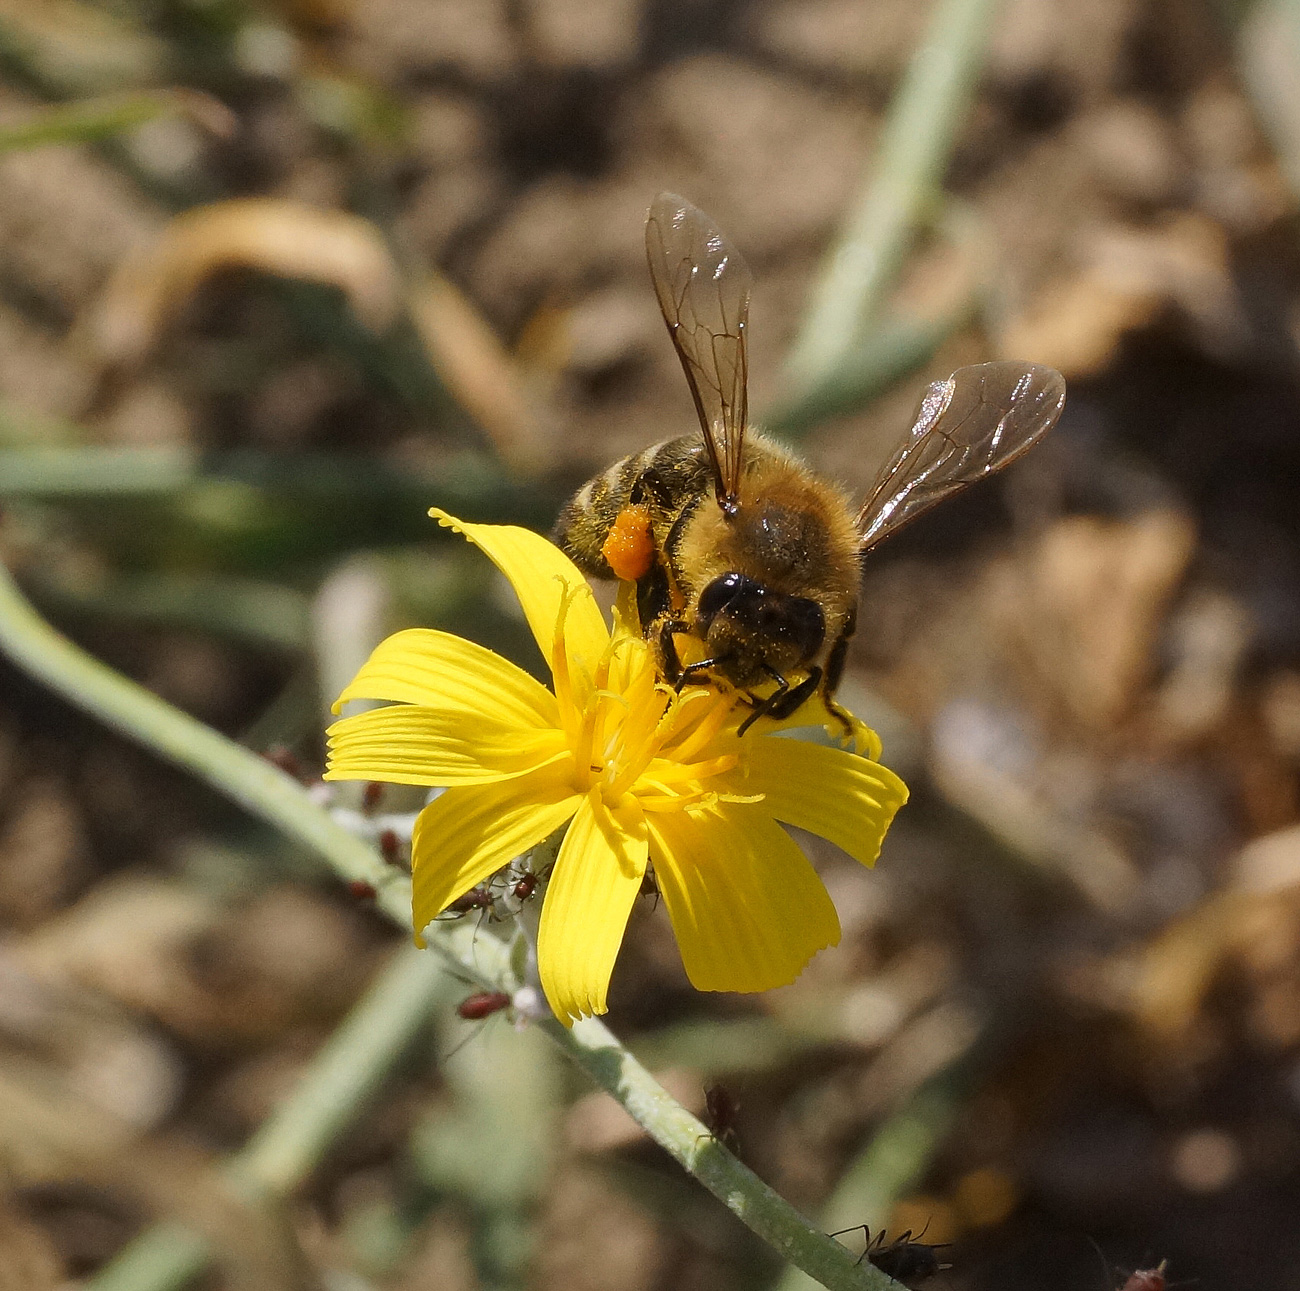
(664, 479)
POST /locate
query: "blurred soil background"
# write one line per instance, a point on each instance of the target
(1063, 1026)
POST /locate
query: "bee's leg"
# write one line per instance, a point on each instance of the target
(784, 700)
(835, 671)
(692, 671)
(781, 704)
(653, 597)
(669, 662)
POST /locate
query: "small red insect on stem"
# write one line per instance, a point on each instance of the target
(474, 899)
(280, 755)
(482, 1004)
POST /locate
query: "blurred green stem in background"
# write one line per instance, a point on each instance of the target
(340, 1083)
(112, 114)
(904, 181)
(895, 1159)
(891, 353)
(43, 653)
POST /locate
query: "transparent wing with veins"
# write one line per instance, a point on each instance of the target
(703, 285)
(976, 422)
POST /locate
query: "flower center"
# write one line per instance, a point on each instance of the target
(629, 732)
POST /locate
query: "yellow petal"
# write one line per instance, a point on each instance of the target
(542, 576)
(748, 909)
(424, 666)
(473, 830)
(839, 795)
(411, 744)
(596, 879)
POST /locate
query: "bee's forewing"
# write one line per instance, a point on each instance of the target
(703, 285)
(976, 422)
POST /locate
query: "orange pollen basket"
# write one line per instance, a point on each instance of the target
(629, 548)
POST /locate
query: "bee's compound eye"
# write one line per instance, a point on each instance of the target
(717, 594)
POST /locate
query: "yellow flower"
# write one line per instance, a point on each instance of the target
(639, 773)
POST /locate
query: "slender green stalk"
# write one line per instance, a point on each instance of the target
(910, 162)
(262, 789)
(266, 792)
(342, 1079)
(688, 1141)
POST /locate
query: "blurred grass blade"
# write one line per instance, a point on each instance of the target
(268, 615)
(904, 181)
(113, 114)
(64, 470)
(888, 356)
(275, 236)
(336, 1088)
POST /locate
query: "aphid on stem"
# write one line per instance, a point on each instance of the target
(482, 1004)
(390, 846)
(905, 1259)
(721, 1108)
(478, 898)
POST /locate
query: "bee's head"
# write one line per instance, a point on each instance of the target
(749, 628)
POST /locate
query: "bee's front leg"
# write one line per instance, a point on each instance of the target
(784, 702)
(670, 664)
(835, 671)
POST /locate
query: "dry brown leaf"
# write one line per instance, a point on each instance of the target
(1255, 923)
(280, 237)
(477, 369)
(1087, 604)
(1128, 276)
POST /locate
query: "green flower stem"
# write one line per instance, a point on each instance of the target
(911, 158)
(266, 792)
(262, 789)
(685, 1138)
(343, 1078)
(345, 1075)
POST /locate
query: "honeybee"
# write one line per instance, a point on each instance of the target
(733, 543)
